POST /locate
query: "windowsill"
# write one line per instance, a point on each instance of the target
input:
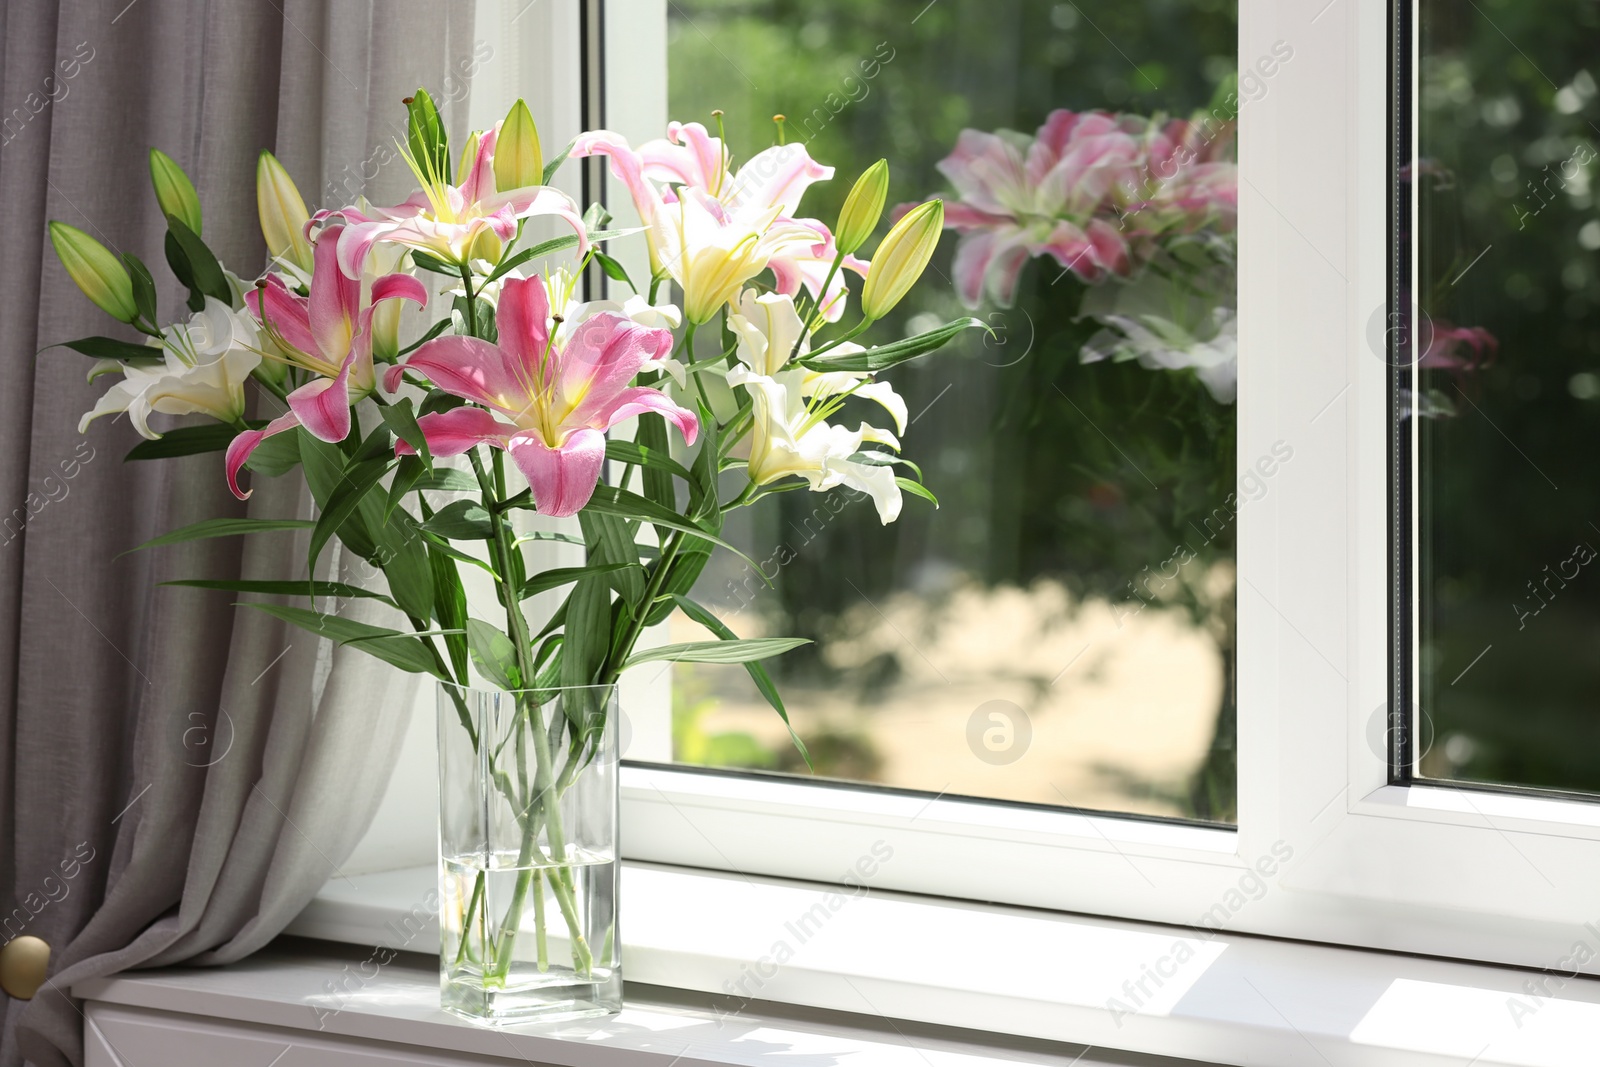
(1235, 998)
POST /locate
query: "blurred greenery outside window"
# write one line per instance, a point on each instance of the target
(1507, 403)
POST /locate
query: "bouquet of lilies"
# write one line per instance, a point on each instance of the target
(404, 441)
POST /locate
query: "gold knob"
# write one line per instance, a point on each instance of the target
(24, 962)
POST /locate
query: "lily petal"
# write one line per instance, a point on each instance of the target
(335, 298)
(323, 405)
(399, 287)
(470, 368)
(562, 479)
(540, 200)
(284, 312)
(450, 433)
(603, 356)
(626, 166)
(777, 177)
(240, 447)
(637, 401)
(523, 317)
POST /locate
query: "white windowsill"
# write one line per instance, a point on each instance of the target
(1239, 999)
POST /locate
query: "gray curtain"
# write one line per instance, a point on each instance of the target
(199, 769)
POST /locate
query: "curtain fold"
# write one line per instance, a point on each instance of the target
(199, 769)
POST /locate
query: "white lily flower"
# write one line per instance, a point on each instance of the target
(790, 435)
(205, 363)
(711, 252)
(768, 325)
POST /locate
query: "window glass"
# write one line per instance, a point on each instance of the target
(1061, 630)
(1506, 393)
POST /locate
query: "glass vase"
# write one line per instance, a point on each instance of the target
(528, 853)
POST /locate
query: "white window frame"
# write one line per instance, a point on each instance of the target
(1417, 868)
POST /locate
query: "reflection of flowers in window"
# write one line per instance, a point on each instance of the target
(1099, 193)
(1150, 206)
(1161, 344)
(1148, 201)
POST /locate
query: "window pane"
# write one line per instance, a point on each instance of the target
(1508, 393)
(1061, 630)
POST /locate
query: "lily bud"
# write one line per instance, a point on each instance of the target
(96, 271)
(518, 160)
(469, 156)
(283, 213)
(485, 245)
(901, 258)
(862, 208)
(386, 329)
(174, 191)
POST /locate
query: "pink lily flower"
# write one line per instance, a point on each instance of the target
(445, 220)
(764, 192)
(548, 405)
(328, 333)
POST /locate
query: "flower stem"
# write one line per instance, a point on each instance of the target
(540, 944)
(688, 350)
(658, 577)
(822, 295)
(548, 800)
(467, 922)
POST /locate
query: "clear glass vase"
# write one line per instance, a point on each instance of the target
(528, 853)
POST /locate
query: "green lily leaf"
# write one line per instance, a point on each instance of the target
(649, 452)
(917, 489)
(433, 331)
(448, 480)
(439, 400)
(406, 474)
(445, 548)
(185, 441)
(306, 589)
(611, 541)
(738, 650)
(554, 165)
(403, 421)
(426, 138)
(461, 520)
(494, 655)
(611, 500)
(541, 535)
(614, 270)
(406, 651)
(885, 356)
(450, 609)
(223, 528)
(203, 266)
(275, 456)
(544, 248)
(359, 478)
(758, 673)
(110, 348)
(559, 576)
(438, 266)
(178, 263)
(144, 286)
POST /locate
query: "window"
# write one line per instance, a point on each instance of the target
(1369, 577)
(1061, 630)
